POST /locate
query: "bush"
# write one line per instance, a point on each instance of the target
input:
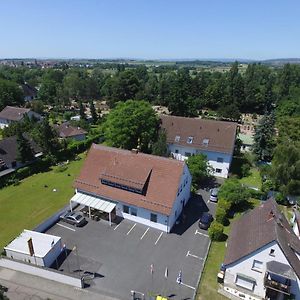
(221, 216)
(61, 168)
(226, 205)
(245, 170)
(215, 231)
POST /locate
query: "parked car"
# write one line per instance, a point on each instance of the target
(205, 220)
(214, 195)
(73, 218)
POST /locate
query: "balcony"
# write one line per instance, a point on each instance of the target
(278, 286)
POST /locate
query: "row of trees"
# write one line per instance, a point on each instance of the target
(182, 90)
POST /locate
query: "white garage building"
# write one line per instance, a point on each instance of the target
(144, 188)
(34, 247)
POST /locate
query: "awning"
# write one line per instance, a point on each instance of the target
(93, 202)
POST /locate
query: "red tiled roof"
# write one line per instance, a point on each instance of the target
(220, 135)
(160, 177)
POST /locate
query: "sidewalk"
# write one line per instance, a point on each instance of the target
(23, 286)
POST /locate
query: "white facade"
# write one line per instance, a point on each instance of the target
(246, 266)
(220, 162)
(164, 222)
(46, 248)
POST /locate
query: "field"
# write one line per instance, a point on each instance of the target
(28, 204)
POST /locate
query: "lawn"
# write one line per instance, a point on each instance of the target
(208, 287)
(28, 204)
(253, 179)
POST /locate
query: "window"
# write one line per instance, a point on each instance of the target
(218, 170)
(257, 265)
(205, 142)
(153, 218)
(176, 150)
(245, 282)
(220, 159)
(133, 211)
(190, 140)
(272, 252)
(177, 138)
(187, 154)
(126, 209)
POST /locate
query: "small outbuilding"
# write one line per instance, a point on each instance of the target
(35, 247)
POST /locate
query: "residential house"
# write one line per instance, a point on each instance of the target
(67, 131)
(12, 114)
(262, 256)
(144, 188)
(190, 136)
(29, 92)
(8, 154)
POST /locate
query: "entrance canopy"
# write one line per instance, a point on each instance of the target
(93, 202)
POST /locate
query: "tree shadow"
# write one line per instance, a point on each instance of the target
(190, 215)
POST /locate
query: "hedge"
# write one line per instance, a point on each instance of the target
(215, 231)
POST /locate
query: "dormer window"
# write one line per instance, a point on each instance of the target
(205, 142)
(190, 140)
(177, 138)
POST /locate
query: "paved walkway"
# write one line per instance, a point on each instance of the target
(23, 286)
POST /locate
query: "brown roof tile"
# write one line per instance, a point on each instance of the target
(160, 175)
(13, 113)
(259, 227)
(66, 130)
(220, 134)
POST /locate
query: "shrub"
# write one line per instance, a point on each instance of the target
(215, 231)
(221, 216)
(61, 168)
(226, 205)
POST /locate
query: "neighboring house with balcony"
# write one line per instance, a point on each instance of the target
(12, 114)
(67, 131)
(144, 188)
(8, 154)
(190, 136)
(262, 256)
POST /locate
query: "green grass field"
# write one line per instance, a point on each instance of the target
(253, 180)
(28, 204)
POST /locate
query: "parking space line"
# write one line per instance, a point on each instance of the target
(158, 238)
(131, 228)
(145, 233)
(198, 232)
(188, 286)
(117, 226)
(193, 255)
(65, 227)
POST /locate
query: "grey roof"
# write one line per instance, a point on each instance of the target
(259, 227)
(8, 148)
(13, 113)
(207, 135)
(28, 90)
(281, 269)
(65, 130)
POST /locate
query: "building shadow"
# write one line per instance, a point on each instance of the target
(192, 212)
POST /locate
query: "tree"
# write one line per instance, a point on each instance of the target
(82, 111)
(234, 192)
(47, 137)
(48, 91)
(285, 169)
(131, 124)
(24, 150)
(199, 168)
(10, 94)
(93, 112)
(160, 147)
(264, 138)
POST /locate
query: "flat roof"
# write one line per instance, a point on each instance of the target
(42, 243)
(94, 202)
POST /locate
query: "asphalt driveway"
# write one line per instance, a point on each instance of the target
(121, 255)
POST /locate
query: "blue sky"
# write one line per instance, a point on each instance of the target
(150, 29)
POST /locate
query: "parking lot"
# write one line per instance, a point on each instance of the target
(121, 256)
